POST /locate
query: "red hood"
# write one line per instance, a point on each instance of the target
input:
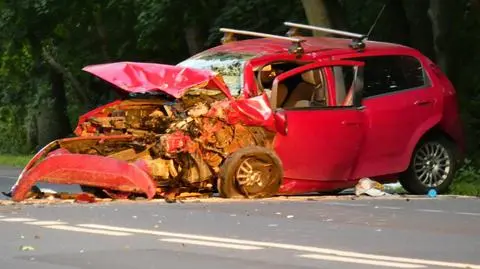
(137, 77)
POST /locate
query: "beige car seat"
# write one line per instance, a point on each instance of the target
(267, 75)
(304, 92)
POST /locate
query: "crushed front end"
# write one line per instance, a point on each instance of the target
(153, 144)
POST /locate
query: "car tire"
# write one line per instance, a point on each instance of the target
(432, 166)
(251, 172)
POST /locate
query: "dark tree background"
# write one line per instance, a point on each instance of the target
(45, 43)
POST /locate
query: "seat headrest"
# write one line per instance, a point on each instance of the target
(312, 77)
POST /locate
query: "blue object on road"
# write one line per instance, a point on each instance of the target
(432, 193)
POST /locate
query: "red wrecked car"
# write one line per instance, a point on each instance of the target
(264, 116)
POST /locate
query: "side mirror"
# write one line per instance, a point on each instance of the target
(281, 123)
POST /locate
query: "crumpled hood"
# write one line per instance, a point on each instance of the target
(136, 77)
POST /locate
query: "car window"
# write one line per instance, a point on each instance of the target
(344, 76)
(303, 90)
(229, 65)
(388, 74)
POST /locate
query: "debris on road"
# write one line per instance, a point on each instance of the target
(369, 187)
(27, 248)
(85, 198)
(432, 193)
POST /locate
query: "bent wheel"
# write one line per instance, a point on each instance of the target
(251, 172)
(433, 165)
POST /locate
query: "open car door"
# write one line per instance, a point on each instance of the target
(321, 139)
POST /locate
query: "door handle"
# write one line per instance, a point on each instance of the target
(422, 102)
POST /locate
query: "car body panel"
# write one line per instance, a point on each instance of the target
(314, 147)
(59, 166)
(135, 77)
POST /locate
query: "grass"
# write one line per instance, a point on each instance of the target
(465, 188)
(467, 181)
(14, 160)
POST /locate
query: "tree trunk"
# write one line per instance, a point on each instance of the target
(421, 34)
(392, 25)
(440, 31)
(60, 103)
(336, 14)
(447, 18)
(194, 39)
(52, 119)
(317, 14)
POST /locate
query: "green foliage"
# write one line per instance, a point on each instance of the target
(257, 15)
(15, 160)
(467, 181)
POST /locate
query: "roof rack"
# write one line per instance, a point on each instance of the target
(357, 39)
(229, 36)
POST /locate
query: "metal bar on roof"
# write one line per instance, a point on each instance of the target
(257, 34)
(325, 30)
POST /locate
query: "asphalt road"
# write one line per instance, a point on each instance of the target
(277, 233)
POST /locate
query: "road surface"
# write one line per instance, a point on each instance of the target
(274, 233)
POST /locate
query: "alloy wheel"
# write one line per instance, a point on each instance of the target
(253, 175)
(432, 164)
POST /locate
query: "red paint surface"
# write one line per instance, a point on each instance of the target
(89, 170)
(147, 77)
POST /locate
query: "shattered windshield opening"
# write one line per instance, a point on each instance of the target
(229, 65)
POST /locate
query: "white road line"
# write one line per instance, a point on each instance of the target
(389, 207)
(2, 216)
(468, 213)
(17, 219)
(309, 249)
(431, 210)
(85, 230)
(46, 223)
(360, 261)
(210, 244)
(9, 177)
(345, 204)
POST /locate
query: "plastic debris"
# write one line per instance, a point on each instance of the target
(85, 198)
(27, 248)
(48, 191)
(369, 187)
(432, 193)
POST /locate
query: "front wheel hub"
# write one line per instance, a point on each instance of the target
(253, 175)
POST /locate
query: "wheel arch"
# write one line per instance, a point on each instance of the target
(426, 129)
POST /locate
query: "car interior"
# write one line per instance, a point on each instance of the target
(307, 89)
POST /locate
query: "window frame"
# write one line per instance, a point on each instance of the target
(364, 58)
(330, 80)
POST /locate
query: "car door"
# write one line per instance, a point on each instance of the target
(398, 100)
(320, 142)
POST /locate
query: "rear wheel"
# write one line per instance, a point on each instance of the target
(433, 165)
(251, 172)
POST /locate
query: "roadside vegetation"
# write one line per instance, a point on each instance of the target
(45, 43)
(18, 161)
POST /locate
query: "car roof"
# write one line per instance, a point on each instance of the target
(270, 46)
